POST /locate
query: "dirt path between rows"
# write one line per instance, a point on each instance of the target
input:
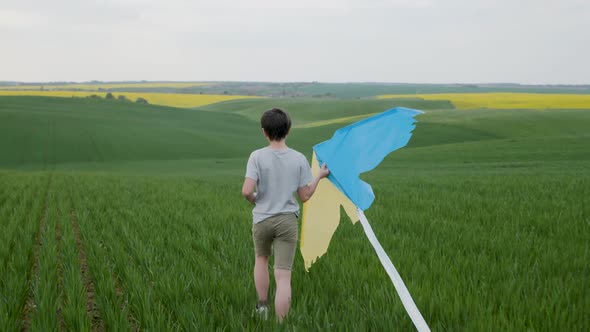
(91, 306)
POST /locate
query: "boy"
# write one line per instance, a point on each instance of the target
(277, 172)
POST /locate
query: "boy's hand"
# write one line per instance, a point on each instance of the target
(248, 190)
(324, 171)
(307, 191)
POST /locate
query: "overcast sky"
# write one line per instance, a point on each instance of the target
(427, 41)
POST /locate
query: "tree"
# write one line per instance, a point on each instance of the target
(141, 100)
(122, 98)
(109, 96)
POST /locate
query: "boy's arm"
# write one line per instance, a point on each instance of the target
(248, 190)
(307, 191)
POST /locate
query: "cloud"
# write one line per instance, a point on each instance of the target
(18, 19)
(348, 40)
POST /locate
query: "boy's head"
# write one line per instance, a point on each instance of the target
(276, 124)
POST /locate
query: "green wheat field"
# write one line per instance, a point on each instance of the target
(125, 216)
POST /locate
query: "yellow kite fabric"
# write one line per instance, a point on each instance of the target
(324, 206)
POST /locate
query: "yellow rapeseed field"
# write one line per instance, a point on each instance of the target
(165, 99)
(105, 86)
(505, 100)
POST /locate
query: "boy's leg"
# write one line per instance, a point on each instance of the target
(283, 295)
(285, 245)
(262, 235)
(261, 279)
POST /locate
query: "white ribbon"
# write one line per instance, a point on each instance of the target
(400, 287)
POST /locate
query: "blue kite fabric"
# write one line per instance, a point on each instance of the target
(360, 147)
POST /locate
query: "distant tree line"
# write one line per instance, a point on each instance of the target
(123, 98)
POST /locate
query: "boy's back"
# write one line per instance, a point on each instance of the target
(278, 175)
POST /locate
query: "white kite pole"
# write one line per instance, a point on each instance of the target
(400, 287)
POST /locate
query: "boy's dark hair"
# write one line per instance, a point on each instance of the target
(276, 124)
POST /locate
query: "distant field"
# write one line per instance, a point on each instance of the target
(505, 100)
(164, 99)
(315, 90)
(309, 113)
(104, 86)
(126, 216)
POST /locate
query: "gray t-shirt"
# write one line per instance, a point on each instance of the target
(278, 175)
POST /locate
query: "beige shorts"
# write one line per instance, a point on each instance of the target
(280, 232)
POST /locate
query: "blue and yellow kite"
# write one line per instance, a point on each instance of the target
(353, 150)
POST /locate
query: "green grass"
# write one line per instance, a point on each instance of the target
(485, 214)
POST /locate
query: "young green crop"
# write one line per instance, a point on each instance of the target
(485, 215)
(19, 218)
(45, 283)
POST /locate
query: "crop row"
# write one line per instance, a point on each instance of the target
(41, 284)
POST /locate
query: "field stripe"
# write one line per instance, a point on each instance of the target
(180, 100)
(505, 100)
(333, 121)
